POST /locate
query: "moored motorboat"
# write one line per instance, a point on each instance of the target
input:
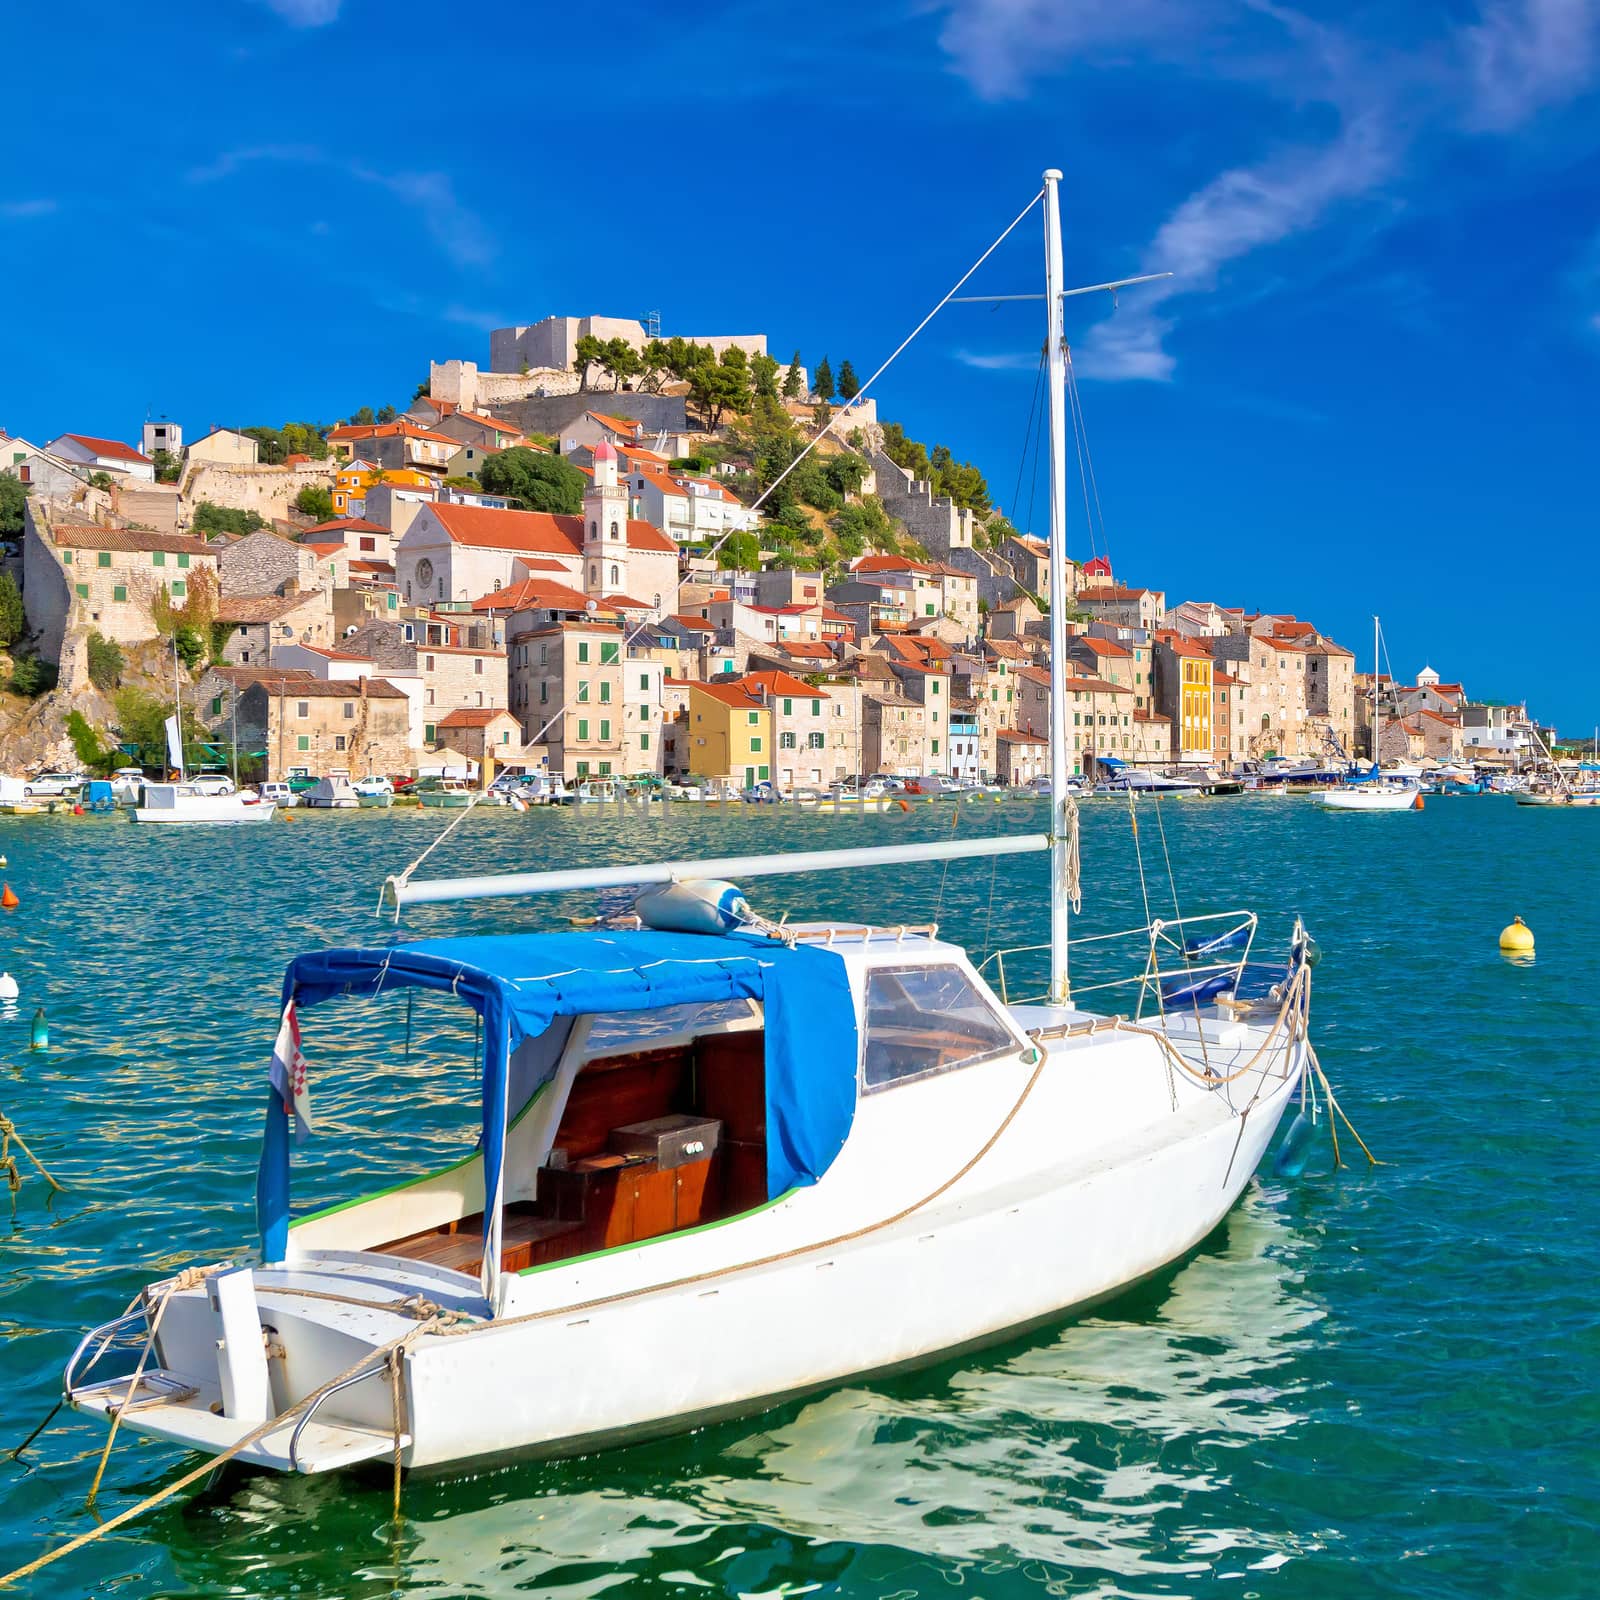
(181, 803)
(332, 792)
(447, 794)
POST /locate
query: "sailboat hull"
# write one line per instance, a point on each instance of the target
(1369, 800)
(1114, 1166)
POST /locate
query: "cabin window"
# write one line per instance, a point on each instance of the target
(922, 1020)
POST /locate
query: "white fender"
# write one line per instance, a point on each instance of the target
(696, 905)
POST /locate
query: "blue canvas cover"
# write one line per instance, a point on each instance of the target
(519, 983)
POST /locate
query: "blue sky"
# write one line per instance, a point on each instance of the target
(1371, 385)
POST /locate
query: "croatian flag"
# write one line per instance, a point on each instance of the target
(288, 1073)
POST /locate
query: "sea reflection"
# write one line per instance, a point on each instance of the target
(1095, 1455)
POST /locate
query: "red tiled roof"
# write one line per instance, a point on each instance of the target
(659, 480)
(807, 647)
(732, 693)
(388, 430)
(695, 624)
(86, 536)
(1102, 647)
(488, 528)
(1016, 736)
(622, 425)
(322, 549)
(472, 716)
(347, 525)
(114, 448)
(783, 683)
(888, 564)
(535, 593)
(332, 655)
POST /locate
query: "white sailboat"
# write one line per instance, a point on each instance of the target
(1373, 792)
(723, 1162)
(184, 802)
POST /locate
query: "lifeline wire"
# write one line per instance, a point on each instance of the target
(960, 283)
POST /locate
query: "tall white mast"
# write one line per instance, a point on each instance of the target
(1056, 356)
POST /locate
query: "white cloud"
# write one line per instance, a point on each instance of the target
(1527, 54)
(457, 230)
(306, 13)
(1001, 361)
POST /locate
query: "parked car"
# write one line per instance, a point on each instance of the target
(52, 785)
(211, 783)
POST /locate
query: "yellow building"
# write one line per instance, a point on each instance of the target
(729, 732)
(351, 484)
(1184, 693)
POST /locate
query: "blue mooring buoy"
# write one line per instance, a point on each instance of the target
(1295, 1150)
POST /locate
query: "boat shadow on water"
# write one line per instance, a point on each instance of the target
(1092, 1450)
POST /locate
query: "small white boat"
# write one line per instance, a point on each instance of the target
(180, 802)
(334, 792)
(374, 792)
(1374, 796)
(279, 792)
(446, 794)
(16, 800)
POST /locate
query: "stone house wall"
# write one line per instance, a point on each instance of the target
(268, 491)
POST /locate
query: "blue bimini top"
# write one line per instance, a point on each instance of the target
(519, 983)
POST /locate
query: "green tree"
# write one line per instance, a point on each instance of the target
(961, 481)
(791, 378)
(105, 662)
(272, 449)
(386, 414)
(904, 452)
(720, 386)
(588, 352)
(209, 519)
(92, 755)
(741, 552)
(822, 381)
(540, 482)
(764, 376)
(364, 418)
(101, 480)
(422, 390)
(13, 507)
(844, 472)
(652, 366)
(315, 501)
(192, 646)
(621, 360)
(13, 619)
(305, 439)
(141, 719)
(849, 388)
(168, 467)
(31, 676)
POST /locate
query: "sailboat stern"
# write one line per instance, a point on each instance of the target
(222, 1364)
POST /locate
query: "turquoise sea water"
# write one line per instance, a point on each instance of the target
(1376, 1382)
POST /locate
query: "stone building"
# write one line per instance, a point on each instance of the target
(317, 726)
(553, 342)
(259, 622)
(1021, 757)
(566, 689)
(79, 575)
(226, 447)
(264, 563)
(490, 733)
(894, 735)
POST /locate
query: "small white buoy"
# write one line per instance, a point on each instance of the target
(8, 986)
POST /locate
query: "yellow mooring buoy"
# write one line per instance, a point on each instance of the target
(1518, 938)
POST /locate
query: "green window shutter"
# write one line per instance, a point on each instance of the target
(936, 747)
(104, 559)
(755, 746)
(430, 733)
(158, 558)
(644, 741)
(183, 560)
(788, 708)
(83, 590)
(605, 769)
(120, 592)
(66, 556)
(583, 727)
(927, 611)
(605, 730)
(644, 681)
(179, 588)
(608, 652)
(216, 705)
(755, 718)
(816, 708)
(583, 769)
(303, 741)
(583, 649)
(761, 772)
(605, 694)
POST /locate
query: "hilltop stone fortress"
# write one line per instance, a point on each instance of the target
(536, 360)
